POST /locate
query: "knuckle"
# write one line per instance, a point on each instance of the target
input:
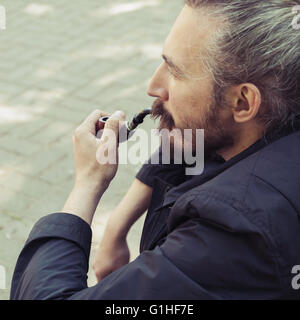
(97, 110)
(77, 133)
(100, 113)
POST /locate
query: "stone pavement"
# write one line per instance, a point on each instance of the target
(59, 60)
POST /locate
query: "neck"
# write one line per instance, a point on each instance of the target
(246, 137)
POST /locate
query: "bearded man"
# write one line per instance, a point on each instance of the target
(232, 68)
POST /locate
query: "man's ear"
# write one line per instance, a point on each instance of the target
(245, 100)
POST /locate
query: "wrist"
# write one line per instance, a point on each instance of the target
(115, 232)
(84, 198)
(91, 184)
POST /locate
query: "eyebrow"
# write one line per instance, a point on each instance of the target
(172, 65)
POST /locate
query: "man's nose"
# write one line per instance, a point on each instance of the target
(157, 86)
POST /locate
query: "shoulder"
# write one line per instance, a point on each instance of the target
(250, 192)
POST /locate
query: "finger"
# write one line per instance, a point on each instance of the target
(104, 273)
(118, 115)
(114, 120)
(89, 124)
(114, 123)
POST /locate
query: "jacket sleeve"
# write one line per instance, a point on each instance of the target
(54, 264)
(196, 261)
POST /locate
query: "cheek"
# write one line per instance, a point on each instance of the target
(199, 111)
(189, 103)
(186, 113)
(179, 104)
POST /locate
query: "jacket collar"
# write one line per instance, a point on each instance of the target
(215, 164)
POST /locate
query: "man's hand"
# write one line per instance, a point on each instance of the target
(87, 147)
(92, 178)
(112, 254)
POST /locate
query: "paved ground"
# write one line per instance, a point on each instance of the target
(59, 60)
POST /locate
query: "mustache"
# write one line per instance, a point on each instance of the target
(159, 112)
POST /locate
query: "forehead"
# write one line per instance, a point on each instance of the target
(189, 37)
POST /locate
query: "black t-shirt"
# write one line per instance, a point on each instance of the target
(173, 174)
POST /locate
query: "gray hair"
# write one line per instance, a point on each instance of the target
(256, 44)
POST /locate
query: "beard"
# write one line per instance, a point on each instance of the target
(218, 126)
(166, 120)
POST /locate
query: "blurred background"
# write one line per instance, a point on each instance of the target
(60, 60)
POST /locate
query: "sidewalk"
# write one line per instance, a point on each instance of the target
(59, 60)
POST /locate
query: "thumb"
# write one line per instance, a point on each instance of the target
(109, 142)
(120, 115)
(114, 120)
(114, 123)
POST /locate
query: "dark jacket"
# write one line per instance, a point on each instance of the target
(231, 233)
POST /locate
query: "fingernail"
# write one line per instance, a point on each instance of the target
(118, 114)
